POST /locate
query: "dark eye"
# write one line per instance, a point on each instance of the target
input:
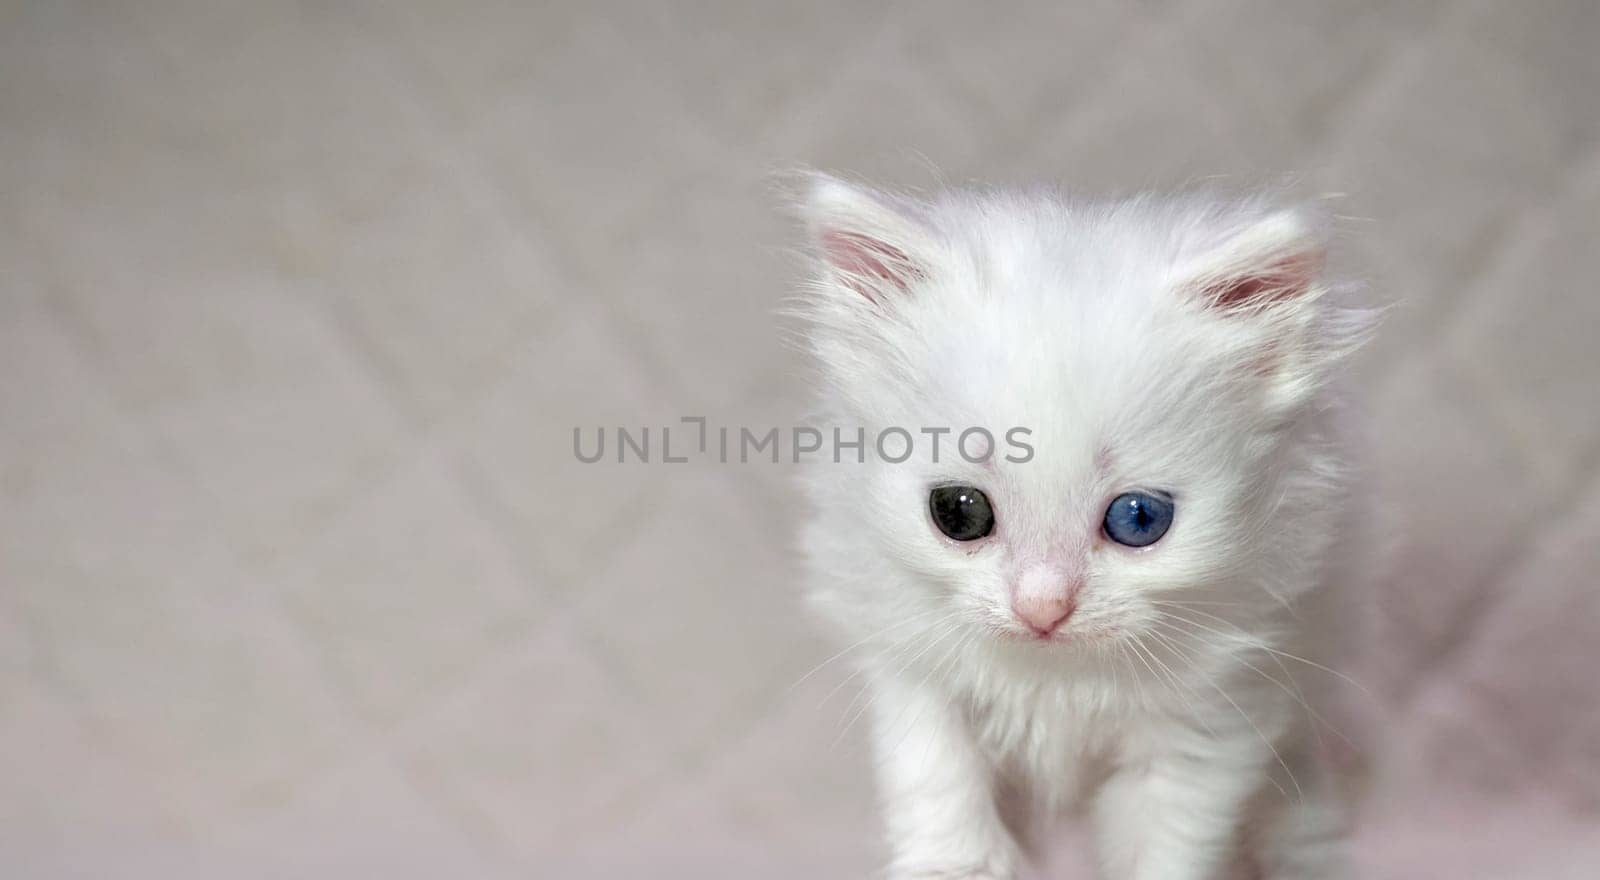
(1137, 519)
(961, 512)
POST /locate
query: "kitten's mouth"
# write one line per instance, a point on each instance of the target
(1030, 636)
(1073, 637)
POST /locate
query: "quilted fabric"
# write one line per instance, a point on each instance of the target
(299, 305)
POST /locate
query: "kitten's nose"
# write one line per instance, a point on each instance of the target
(1043, 614)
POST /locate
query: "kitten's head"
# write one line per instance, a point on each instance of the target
(1144, 369)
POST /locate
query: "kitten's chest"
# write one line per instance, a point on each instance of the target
(1054, 748)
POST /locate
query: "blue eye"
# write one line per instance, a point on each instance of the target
(1137, 519)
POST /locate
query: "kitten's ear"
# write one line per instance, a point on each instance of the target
(1266, 278)
(1276, 260)
(865, 241)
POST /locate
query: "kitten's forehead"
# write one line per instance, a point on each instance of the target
(1059, 346)
(1097, 361)
(1035, 236)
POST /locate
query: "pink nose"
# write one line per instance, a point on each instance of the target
(1042, 614)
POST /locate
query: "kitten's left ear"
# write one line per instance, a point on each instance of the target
(1276, 260)
(1265, 278)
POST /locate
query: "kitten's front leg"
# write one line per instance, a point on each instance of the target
(937, 791)
(1175, 815)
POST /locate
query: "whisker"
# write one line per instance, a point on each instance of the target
(948, 629)
(1299, 793)
(1134, 652)
(1292, 688)
(895, 651)
(1253, 640)
(948, 699)
(1174, 678)
(879, 634)
(892, 651)
(926, 676)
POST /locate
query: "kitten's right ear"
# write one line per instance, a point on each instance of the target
(864, 241)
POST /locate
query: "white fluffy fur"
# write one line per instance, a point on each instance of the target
(1163, 709)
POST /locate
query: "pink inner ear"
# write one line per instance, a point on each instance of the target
(863, 261)
(1281, 280)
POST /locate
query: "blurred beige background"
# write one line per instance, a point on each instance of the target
(299, 304)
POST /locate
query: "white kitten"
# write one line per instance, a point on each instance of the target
(1109, 623)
